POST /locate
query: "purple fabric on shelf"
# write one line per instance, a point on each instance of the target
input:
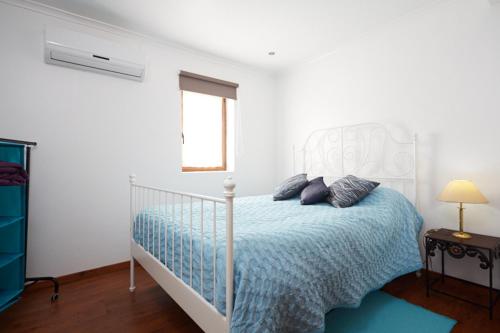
(12, 174)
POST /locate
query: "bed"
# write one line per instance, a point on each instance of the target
(255, 265)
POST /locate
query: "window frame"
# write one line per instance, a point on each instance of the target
(222, 167)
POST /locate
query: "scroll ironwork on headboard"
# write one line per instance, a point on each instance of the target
(365, 150)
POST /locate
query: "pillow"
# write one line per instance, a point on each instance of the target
(315, 192)
(346, 191)
(290, 187)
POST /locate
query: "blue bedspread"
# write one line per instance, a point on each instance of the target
(292, 263)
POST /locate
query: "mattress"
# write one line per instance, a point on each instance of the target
(292, 263)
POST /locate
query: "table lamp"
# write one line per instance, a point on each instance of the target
(462, 191)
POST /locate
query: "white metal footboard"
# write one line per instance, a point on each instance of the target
(204, 313)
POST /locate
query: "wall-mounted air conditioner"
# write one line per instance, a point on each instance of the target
(81, 51)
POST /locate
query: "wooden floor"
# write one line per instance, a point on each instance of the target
(104, 304)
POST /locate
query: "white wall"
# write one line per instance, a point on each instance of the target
(435, 72)
(94, 130)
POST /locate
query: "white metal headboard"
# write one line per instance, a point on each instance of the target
(364, 150)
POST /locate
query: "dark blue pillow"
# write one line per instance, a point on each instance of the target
(315, 192)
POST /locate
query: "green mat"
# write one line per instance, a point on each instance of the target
(382, 313)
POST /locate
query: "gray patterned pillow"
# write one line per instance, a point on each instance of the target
(347, 191)
(290, 187)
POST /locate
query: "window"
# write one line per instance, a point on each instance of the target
(207, 124)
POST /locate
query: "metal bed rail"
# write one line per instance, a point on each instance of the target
(144, 198)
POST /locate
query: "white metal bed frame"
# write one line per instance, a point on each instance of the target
(365, 150)
(199, 309)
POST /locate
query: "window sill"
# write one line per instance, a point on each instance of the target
(206, 172)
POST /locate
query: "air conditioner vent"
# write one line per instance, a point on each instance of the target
(76, 50)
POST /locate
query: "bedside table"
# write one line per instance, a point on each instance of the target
(485, 248)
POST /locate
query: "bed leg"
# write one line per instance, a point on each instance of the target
(132, 275)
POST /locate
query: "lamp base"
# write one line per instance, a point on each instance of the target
(462, 235)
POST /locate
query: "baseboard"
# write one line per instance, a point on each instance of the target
(74, 277)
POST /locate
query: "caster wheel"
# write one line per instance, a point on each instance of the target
(54, 298)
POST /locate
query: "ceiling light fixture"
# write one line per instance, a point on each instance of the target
(271, 53)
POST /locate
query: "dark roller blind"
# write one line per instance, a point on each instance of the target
(207, 85)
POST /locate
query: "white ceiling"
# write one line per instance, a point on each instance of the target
(245, 31)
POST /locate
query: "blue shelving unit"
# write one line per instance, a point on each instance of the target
(14, 204)
(13, 217)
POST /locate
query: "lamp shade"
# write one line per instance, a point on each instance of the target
(462, 191)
